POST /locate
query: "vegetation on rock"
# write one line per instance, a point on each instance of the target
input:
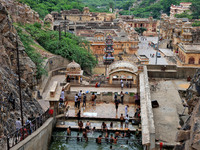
(70, 46)
(31, 52)
(140, 30)
(44, 7)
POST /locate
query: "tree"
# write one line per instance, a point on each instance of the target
(140, 30)
(195, 9)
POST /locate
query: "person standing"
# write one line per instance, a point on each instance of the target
(94, 98)
(121, 120)
(79, 95)
(122, 97)
(122, 85)
(18, 124)
(79, 115)
(116, 105)
(126, 121)
(84, 100)
(78, 102)
(115, 97)
(62, 95)
(121, 81)
(75, 100)
(126, 110)
(127, 85)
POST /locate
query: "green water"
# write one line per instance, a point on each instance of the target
(60, 143)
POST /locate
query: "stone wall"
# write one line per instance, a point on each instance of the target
(170, 71)
(147, 119)
(102, 97)
(40, 139)
(51, 65)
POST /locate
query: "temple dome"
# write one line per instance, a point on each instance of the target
(73, 65)
(122, 65)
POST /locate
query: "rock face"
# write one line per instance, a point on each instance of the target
(21, 13)
(9, 77)
(189, 136)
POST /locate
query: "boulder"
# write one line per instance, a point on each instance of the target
(182, 135)
(196, 142)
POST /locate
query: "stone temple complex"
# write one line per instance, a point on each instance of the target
(183, 7)
(183, 38)
(135, 101)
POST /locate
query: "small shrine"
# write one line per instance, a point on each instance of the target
(108, 58)
(74, 72)
(123, 71)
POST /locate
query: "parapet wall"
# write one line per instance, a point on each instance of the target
(147, 119)
(103, 97)
(170, 71)
(40, 139)
(52, 64)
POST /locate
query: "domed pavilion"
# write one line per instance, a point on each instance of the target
(123, 70)
(74, 72)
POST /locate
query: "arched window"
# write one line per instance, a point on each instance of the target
(191, 60)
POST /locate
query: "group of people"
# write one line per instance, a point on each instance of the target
(143, 38)
(79, 98)
(109, 138)
(31, 123)
(152, 55)
(128, 84)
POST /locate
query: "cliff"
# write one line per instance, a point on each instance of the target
(9, 77)
(21, 13)
(189, 135)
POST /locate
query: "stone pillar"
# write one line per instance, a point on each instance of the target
(110, 79)
(79, 79)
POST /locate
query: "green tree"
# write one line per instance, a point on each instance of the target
(140, 30)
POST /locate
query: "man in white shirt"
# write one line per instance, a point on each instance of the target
(18, 124)
(79, 94)
(126, 110)
(75, 100)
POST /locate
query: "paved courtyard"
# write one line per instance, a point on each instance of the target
(101, 110)
(166, 116)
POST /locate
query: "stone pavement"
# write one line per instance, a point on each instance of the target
(103, 110)
(166, 52)
(144, 49)
(43, 102)
(166, 116)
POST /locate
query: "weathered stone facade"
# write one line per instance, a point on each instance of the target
(9, 77)
(85, 16)
(183, 38)
(183, 7)
(149, 23)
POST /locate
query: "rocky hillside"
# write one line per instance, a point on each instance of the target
(21, 13)
(189, 135)
(9, 77)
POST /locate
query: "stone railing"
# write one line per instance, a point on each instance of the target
(147, 119)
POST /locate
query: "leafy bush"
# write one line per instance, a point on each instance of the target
(31, 52)
(43, 7)
(70, 46)
(196, 24)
